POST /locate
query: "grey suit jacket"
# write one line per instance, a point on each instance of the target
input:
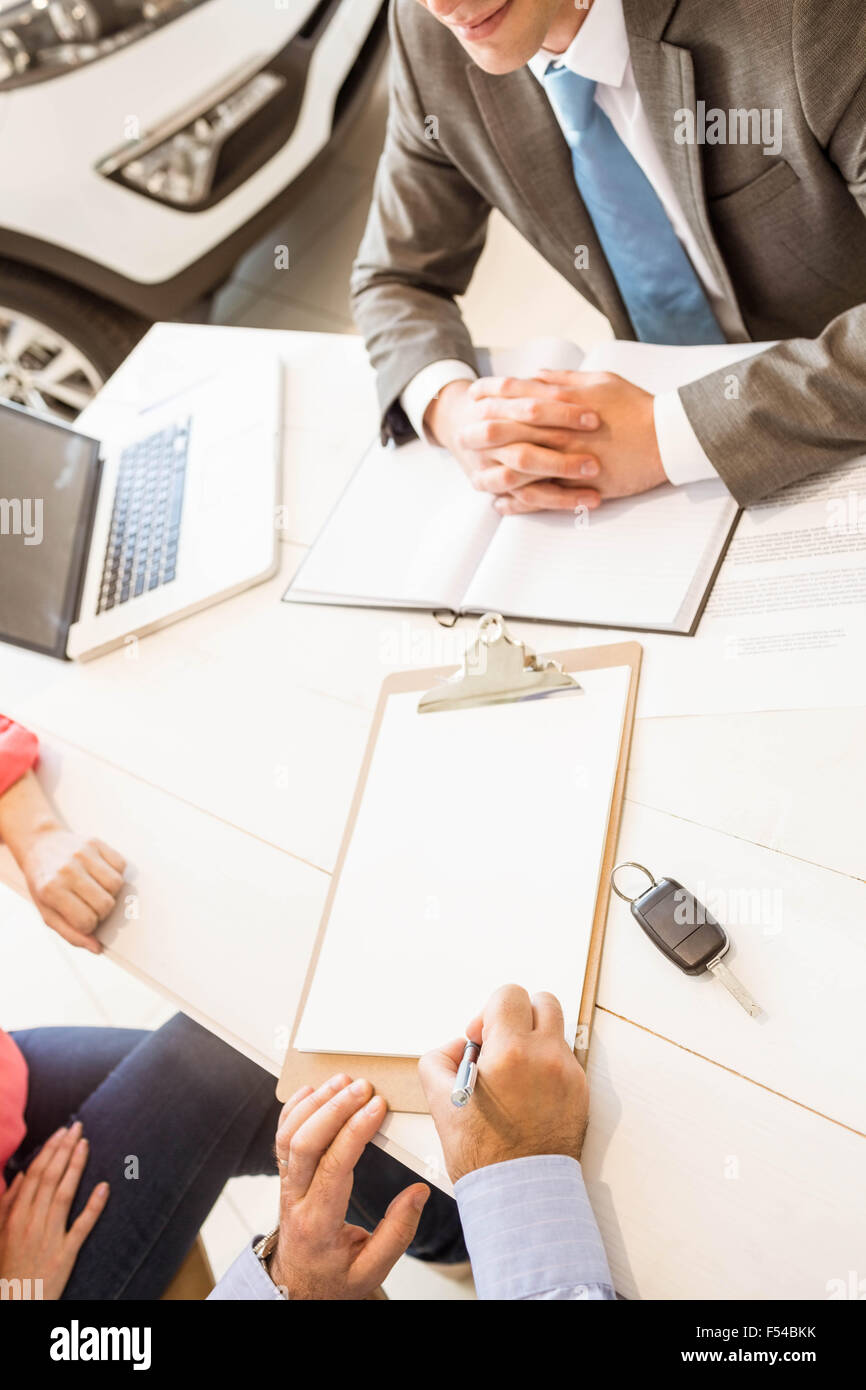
(786, 233)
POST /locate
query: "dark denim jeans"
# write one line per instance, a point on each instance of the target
(170, 1117)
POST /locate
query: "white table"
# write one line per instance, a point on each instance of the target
(724, 1158)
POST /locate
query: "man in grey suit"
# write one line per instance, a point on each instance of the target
(698, 173)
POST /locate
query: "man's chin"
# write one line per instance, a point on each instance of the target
(502, 51)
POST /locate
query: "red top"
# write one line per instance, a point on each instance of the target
(13, 1098)
(19, 750)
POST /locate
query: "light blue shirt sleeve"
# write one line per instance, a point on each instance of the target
(246, 1281)
(530, 1231)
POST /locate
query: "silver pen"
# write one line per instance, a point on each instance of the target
(467, 1074)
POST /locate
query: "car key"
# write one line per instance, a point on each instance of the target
(684, 931)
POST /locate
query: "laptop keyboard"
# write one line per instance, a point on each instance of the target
(145, 521)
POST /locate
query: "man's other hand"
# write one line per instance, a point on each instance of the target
(321, 1136)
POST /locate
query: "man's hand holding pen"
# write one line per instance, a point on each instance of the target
(531, 1096)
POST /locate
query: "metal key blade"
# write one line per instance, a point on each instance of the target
(734, 987)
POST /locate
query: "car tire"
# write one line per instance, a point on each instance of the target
(95, 334)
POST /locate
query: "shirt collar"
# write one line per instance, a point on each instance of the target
(599, 49)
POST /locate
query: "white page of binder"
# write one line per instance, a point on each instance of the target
(474, 862)
(408, 530)
(610, 564)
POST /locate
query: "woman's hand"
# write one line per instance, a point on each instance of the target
(34, 1241)
(320, 1138)
(73, 882)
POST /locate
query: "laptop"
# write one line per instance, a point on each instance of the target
(105, 539)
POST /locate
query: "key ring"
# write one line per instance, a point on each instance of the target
(629, 864)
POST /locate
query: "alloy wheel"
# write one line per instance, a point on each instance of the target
(42, 369)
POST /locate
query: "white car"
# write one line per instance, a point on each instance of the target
(144, 145)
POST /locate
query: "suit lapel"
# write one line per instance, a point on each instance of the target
(525, 133)
(665, 79)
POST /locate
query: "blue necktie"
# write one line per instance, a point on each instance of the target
(664, 297)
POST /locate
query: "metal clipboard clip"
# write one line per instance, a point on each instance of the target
(497, 669)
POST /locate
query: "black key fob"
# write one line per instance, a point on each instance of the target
(680, 926)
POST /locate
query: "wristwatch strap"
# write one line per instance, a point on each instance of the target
(264, 1248)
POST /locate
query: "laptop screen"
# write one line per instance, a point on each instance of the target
(48, 482)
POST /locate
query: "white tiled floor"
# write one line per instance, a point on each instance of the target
(51, 983)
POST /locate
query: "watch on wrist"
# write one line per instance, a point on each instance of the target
(264, 1248)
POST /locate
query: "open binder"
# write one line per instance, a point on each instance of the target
(382, 984)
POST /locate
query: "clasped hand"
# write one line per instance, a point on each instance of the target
(559, 442)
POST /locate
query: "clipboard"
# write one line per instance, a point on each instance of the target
(515, 674)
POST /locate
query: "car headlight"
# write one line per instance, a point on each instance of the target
(180, 170)
(44, 38)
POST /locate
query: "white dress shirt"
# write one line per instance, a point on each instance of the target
(600, 52)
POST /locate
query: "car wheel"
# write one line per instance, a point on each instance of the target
(58, 343)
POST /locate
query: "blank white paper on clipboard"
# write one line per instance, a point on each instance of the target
(474, 862)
